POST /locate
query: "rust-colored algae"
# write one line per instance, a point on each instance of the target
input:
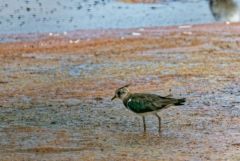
(55, 95)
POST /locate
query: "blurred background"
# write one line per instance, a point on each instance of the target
(31, 16)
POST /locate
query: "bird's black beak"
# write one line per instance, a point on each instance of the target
(113, 98)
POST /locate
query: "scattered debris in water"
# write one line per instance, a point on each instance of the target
(59, 15)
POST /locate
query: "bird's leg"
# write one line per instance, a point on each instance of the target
(159, 122)
(144, 124)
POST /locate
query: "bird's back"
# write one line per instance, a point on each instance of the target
(142, 102)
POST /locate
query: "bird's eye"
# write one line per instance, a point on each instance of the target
(118, 93)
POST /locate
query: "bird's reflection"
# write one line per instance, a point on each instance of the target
(225, 10)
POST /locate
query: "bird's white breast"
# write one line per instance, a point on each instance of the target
(128, 102)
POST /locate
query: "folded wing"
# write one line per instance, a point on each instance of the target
(141, 103)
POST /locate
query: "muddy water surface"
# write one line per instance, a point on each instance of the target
(55, 95)
(60, 15)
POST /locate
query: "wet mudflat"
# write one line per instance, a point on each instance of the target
(56, 90)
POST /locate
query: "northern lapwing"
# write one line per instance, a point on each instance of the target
(144, 103)
(225, 10)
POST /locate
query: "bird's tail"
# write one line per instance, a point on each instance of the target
(180, 101)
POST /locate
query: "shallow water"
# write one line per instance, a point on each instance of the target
(61, 15)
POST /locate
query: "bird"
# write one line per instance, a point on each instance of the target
(145, 103)
(225, 10)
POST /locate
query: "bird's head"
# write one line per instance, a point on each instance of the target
(121, 92)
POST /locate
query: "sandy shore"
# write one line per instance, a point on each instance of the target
(56, 90)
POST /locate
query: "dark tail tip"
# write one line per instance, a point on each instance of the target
(180, 102)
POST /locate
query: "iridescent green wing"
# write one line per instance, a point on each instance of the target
(138, 105)
(141, 103)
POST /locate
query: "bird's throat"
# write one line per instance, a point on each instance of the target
(126, 98)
